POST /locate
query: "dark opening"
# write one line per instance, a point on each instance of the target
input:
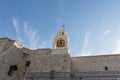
(52, 74)
(15, 67)
(27, 64)
(72, 75)
(23, 73)
(62, 33)
(80, 78)
(12, 69)
(60, 42)
(106, 68)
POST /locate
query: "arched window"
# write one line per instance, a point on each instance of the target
(60, 43)
(62, 33)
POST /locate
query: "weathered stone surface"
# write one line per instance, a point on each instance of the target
(60, 62)
(47, 60)
(40, 61)
(9, 55)
(96, 63)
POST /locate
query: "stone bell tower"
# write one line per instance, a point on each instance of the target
(61, 41)
(60, 58)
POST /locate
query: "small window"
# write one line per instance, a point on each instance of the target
(62, 33)
(12, 69)
(27, 64)
(106, 68)
(15, 67)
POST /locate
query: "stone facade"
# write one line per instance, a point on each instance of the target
(96, 63)
(60, 62)
(16, 62)
(10, 55)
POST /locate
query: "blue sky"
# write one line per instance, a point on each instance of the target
(93, 25)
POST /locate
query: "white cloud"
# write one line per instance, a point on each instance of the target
(114, 43)
(106, 32)
(50, 41)
(15, 24)
(116, 38)
(102, 40)
(29, 36)
(32, 37)
(117, 47)
(86, 50)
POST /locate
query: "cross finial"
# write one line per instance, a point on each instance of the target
(63, 26)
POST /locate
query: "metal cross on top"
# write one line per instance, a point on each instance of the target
(63, 26)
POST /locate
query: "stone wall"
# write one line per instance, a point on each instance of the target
(47, 60)
(43, 60)
(9, 56)
(40, 60)
(96, 63)
(5, 43)
(60, 60)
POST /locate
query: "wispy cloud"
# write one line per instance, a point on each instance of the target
(50, 41)
(106, 32)
(102, 40)
(28, 35)
(86, 50)
(32, 37)
(114, 42)
(116, 49)
(15, 24)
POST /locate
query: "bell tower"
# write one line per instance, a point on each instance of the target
(61, 41)
(60, 57)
